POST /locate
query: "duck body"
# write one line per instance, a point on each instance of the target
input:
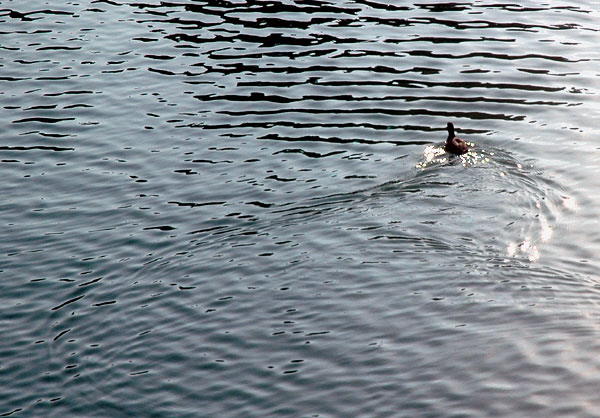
(455, 145)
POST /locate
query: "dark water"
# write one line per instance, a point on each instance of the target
(216, 208)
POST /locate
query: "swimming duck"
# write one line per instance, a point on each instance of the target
(455, 145)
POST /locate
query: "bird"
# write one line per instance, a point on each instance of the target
(455, 145)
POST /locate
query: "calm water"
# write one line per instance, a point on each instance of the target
(241, 209)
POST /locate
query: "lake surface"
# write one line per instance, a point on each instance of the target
(242, 209)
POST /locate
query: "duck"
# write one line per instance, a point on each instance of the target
(455, 145)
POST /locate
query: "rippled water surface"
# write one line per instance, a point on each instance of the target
(242, 208)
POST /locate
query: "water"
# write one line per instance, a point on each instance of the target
(216, 208)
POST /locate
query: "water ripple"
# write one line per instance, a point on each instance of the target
(245, 208)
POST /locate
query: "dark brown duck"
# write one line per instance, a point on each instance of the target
(454, 144)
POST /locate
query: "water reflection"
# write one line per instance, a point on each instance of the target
(437, 155)
(245, 206)
(508, 178)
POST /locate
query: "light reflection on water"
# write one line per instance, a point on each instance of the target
(245, 209)
(437, 155)
(525, 246)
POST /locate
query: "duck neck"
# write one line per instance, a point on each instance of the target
(450, 132)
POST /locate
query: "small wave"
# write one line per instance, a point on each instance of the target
(526, 206)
